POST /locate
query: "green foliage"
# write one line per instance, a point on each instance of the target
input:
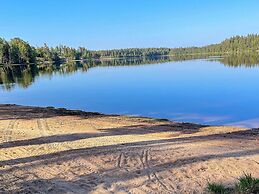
(61, 53)
(16, 51)
(19, 51)
(217, 188)
(234, 45)
(245, 185)
(4, 51)
(131, 52)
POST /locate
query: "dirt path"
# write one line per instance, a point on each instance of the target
(46, 150)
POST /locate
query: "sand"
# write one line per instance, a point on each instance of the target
(47, 150)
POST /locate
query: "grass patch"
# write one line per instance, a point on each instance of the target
(216, 188)
(245, 185)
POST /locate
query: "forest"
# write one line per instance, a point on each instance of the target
(18, 51)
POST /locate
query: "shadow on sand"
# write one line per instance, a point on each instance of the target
(86, 183)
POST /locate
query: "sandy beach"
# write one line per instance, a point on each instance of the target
(48, 150)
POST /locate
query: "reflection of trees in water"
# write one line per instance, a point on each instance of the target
(24, 75)
(20, 75)
(242, 60)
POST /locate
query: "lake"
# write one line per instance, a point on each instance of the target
(212, 91)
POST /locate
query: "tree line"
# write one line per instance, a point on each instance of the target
(233, 45)
(18, 51)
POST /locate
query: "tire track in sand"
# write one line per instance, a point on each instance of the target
(145, 158)
(120, 160)
(8, 132)
(44, 131)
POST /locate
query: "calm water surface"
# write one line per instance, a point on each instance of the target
(200, 91)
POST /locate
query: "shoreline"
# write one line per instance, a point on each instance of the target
(67, 112)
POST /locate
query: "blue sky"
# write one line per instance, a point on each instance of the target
(106, 24)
